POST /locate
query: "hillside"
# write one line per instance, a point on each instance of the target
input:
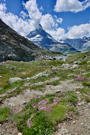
(46, 97)
(16, 47)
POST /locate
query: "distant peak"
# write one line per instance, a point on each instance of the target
(39, 26)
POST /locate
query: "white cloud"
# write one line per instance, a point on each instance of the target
(2, 7)
(57, 34)
(78, 31)
(18, 24)
(33, 11)
(51, 25)
(24, 15)
(71, 5)
(24, 26)
(50, 22)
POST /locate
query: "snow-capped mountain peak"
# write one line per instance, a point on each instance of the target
(44, 40)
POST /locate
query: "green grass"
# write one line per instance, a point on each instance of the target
(70, 97)
(41, 126)
(87, 84)
(87, 99)
(4, 113)
(11, 86)
(39, 86)
(44, 122)
(85, 90)
(56, 82)
(40, 79)
(58, 113)
(24, 69)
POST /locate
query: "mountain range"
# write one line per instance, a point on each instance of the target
(81, 44)
(18, 48)
(45, 40)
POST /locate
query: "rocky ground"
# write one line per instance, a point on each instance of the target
(80, 125)
(56, 90)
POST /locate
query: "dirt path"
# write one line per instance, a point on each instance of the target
(64, 86)
(78, 126)
(8, 128)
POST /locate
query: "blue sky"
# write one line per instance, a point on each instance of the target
(60, 17)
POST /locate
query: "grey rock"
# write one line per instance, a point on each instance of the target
(15, 79)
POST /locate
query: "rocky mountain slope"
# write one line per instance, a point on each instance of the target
(49, 97)
(42, 38)
(15, 47)
(45, 40)
(81, 44)
(64, 48)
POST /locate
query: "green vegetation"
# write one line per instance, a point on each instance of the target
(71, 97)
(39, 86)
(11, 86)
(45, 112)
(56, 82)
(41, 126)
(85, 90)
(87, 84)
(24, 69)
(4, 113)
(58, 113)
(87, 99)
(44, 121)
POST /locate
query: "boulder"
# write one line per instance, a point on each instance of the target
(15, 79)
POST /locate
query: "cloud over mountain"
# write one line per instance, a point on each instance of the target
(29, 20)
(71, 5)
(78, 31)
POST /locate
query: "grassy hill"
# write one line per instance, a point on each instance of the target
(50, 95)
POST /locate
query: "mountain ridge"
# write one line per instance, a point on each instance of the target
(45, 40)
(81, 44)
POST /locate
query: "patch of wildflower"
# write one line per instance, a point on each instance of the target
(44, 106)
(79, 79)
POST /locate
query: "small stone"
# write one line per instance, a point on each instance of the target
(78, 92)
(74, 66)
(19, 133)
(81, 103)
(74, 122)
(82, 123)
(27, 78)
(54, 68)
(24, 102)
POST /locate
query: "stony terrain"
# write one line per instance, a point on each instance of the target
(49, 97)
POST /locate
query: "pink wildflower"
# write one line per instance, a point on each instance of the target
(53, 104)
(79, 79)
(43, 102)
(43, 108)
